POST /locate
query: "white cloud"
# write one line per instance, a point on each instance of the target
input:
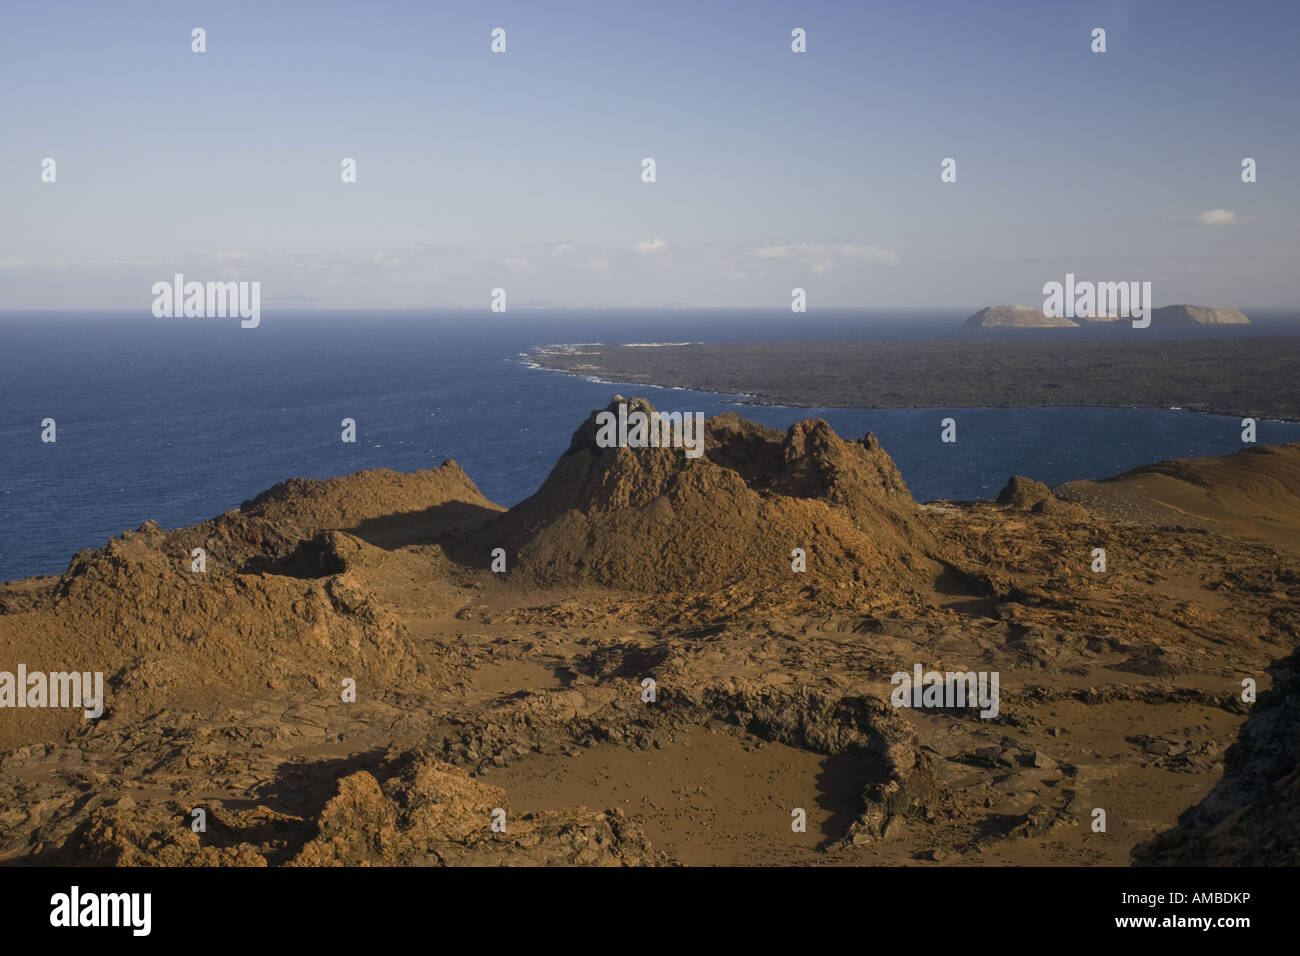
(419, 274)
(821, 257)
(1218, 217)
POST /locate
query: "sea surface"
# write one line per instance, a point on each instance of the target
(178, 420)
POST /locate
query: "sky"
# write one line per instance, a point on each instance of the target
(523, 170)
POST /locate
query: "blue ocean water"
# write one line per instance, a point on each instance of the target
(179, 420)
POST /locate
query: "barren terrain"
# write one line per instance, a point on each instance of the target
(525, 691)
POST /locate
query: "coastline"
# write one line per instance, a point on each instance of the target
(1203, 376)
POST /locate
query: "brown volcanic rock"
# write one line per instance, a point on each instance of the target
(432, 813)
(374, 504)
(163, 634)
(774, 692)
(310, 505)
(1054, 507)
(652, 519)
(424, 813)
(1023, 493)
(129, 834)
(1252, 816)
(1026, 494)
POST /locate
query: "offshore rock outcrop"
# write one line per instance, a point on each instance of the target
(1197, 315)
(1016, 317)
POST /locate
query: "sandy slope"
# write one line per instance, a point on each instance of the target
(1254, 493)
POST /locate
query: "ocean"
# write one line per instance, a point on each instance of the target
(179, 420)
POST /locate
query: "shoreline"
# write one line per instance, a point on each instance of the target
(757, 401)
(1249, 377)
(1155, 408)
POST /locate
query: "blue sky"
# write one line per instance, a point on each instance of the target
(775, 169)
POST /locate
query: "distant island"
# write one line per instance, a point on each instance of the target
(1017, 317)
(1027, 317)
(1197, 315)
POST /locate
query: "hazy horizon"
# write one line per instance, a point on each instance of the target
(1271, 313)
(774, 169)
